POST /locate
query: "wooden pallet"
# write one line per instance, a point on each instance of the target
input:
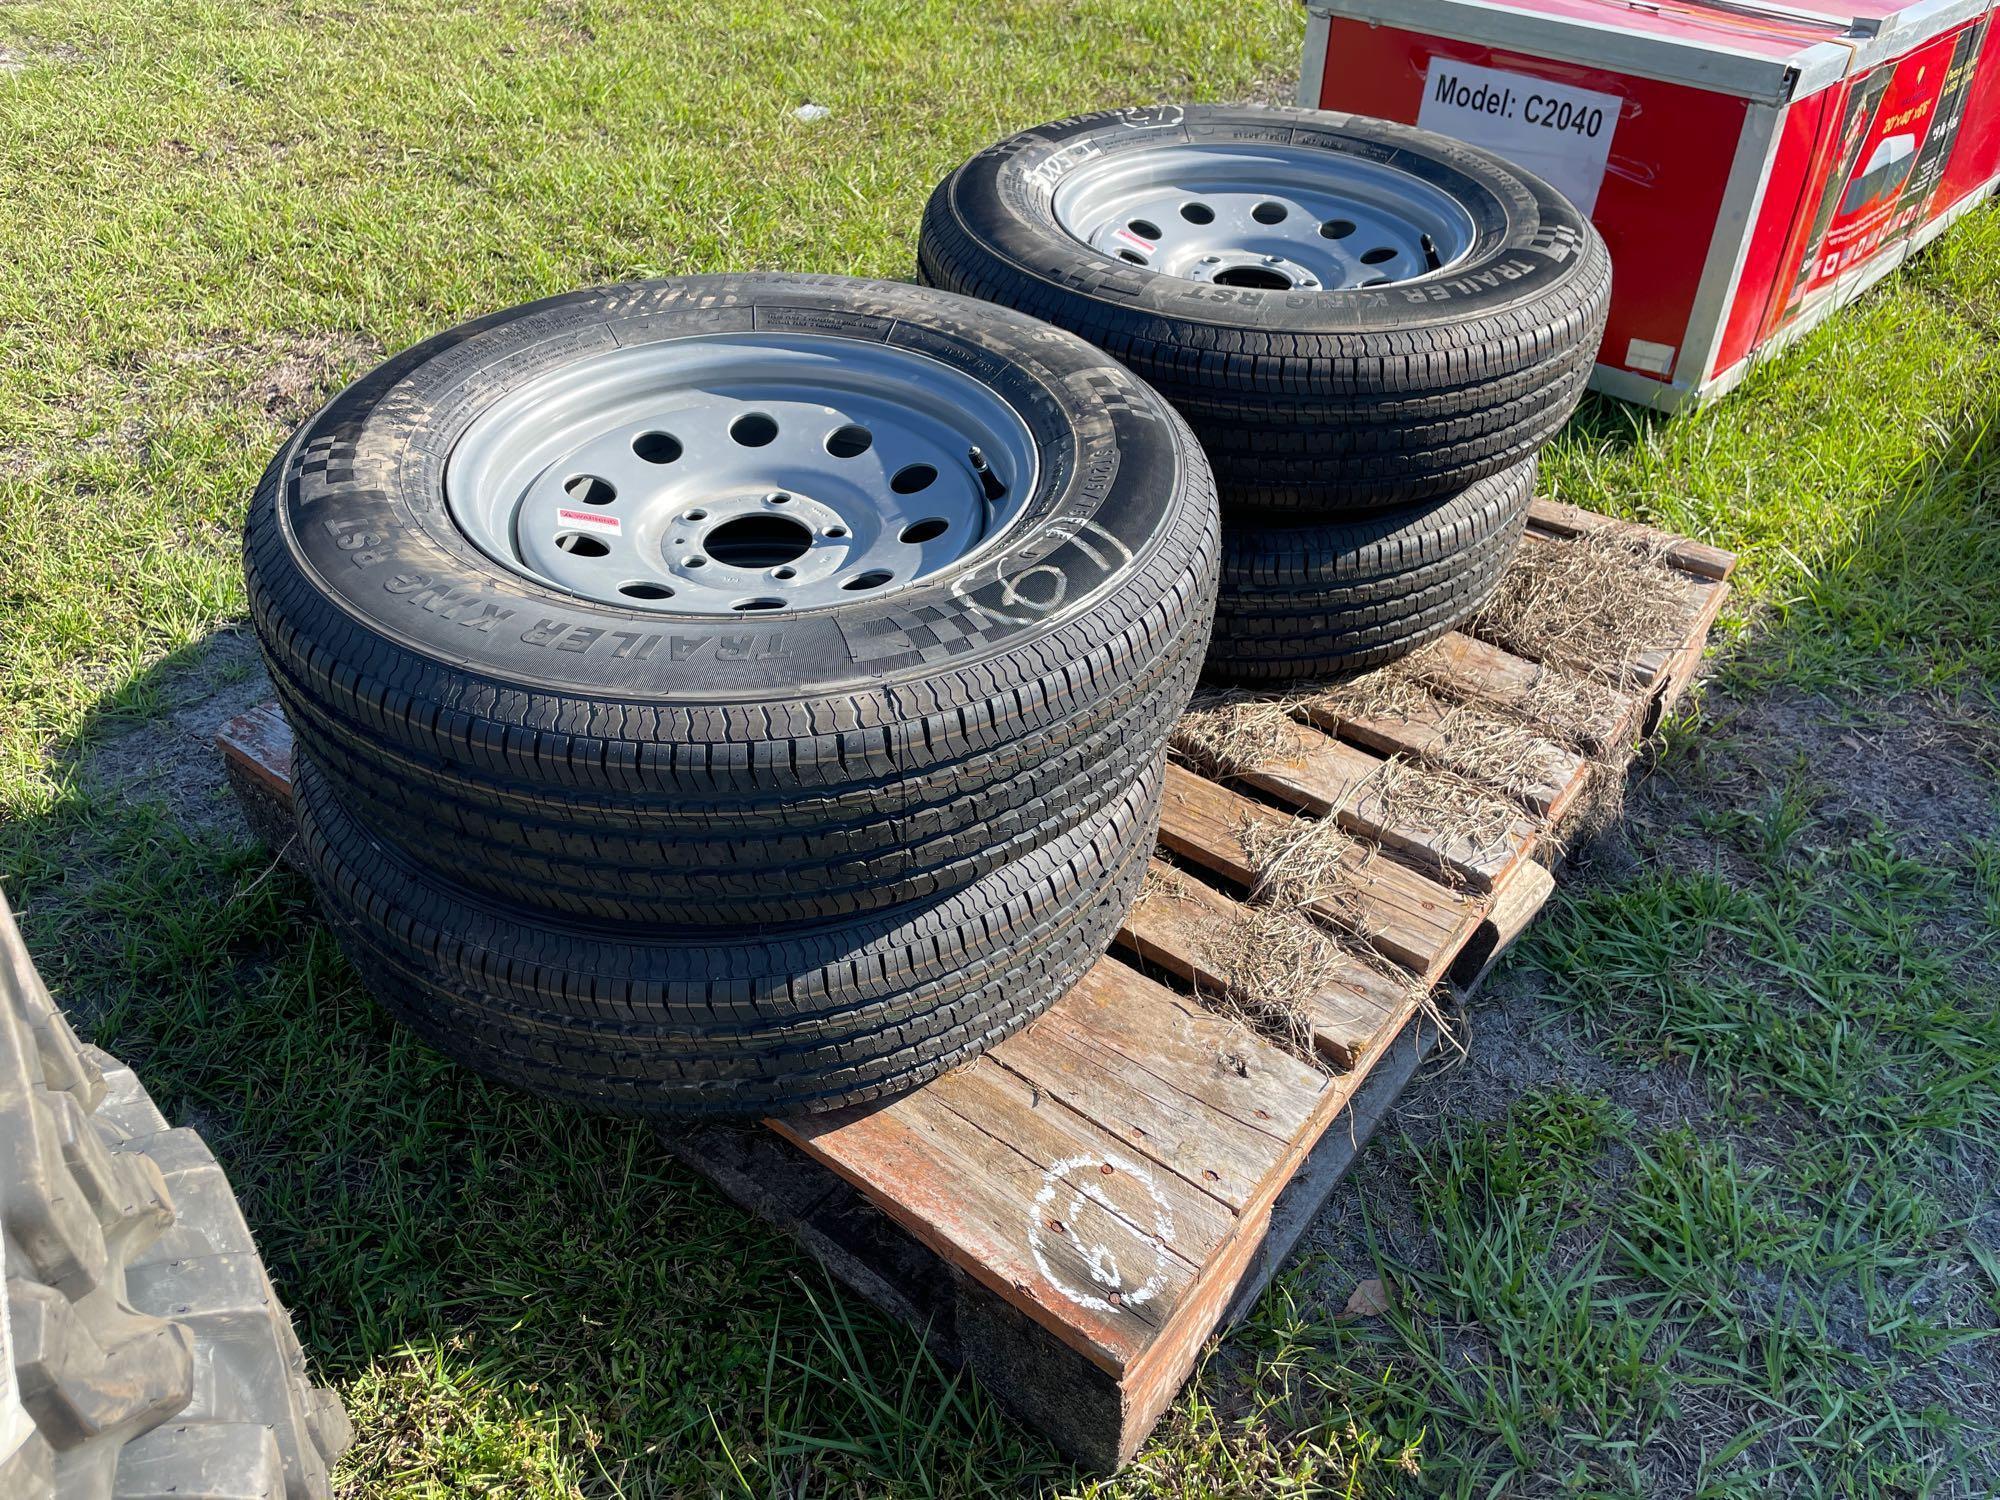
(1072, 1216)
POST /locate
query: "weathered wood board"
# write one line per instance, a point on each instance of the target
(1072, 1216)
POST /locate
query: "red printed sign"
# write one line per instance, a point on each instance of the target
(1897, 130)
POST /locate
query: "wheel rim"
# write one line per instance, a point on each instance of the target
(1277, 218)
(741, 474)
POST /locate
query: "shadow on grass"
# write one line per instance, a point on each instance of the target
(512, 1296)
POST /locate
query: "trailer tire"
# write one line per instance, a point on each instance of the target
(1307, 400)
(621, 762)
(736, 1023)
(1329, 601)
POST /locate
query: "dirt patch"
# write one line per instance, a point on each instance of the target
(290, 375)
(169, 756)
(14, 60)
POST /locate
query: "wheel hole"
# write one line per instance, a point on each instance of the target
(1337, 229)
(1146, 229)
(1269, 213)
(925, 530)
(645, 591)
(911, 478)
(1376, 281)
(588, 489)
(1133, 256)
(577, 544)
(849, 442)
(1254, 276)
(749, 605)
(759, 541)
(657, 447)
(754, 429)
(1197, 213)
(874, 578)
(1376, 256)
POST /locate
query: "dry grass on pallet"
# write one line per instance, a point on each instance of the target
(1592, 600)
(1271, 961)
(1268, 962)
(1459, 817)
(1490, 747)
(1572, 709)
(1307, 862)
(1227, 731)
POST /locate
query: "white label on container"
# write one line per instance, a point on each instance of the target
(1556, 131)
(1654, 359)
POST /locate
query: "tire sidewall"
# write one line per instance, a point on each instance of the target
(357, 515)
(1528, 239)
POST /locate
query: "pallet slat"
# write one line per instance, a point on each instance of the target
(1328, 779)
(1561, 520)
(1403, 913)
(1180, 925)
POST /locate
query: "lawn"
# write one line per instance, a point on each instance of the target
(1708, 1209)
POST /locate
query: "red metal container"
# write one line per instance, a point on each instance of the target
(1751, 165)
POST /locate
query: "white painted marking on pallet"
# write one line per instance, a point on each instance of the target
(1071, 1197)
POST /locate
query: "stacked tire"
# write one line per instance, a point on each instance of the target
(734, 695)
(1373, 330)
(143, 1352)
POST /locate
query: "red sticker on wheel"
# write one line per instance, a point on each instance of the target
(588, 518)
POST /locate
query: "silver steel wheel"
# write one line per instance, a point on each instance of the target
(1273, 217)
(741, 473)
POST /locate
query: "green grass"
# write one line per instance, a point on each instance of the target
(1740, 1236)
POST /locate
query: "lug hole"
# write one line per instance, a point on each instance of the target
(657, 447)
(588, 489)
(849, 442)
(754, 429)
(577, 544)
(779, 497)
(925, 530)
(913, 477)
(1269, 213)
(784, 572)
(836, 531)
(695, 515)
(694, 560)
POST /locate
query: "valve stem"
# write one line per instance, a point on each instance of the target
(989, 481)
